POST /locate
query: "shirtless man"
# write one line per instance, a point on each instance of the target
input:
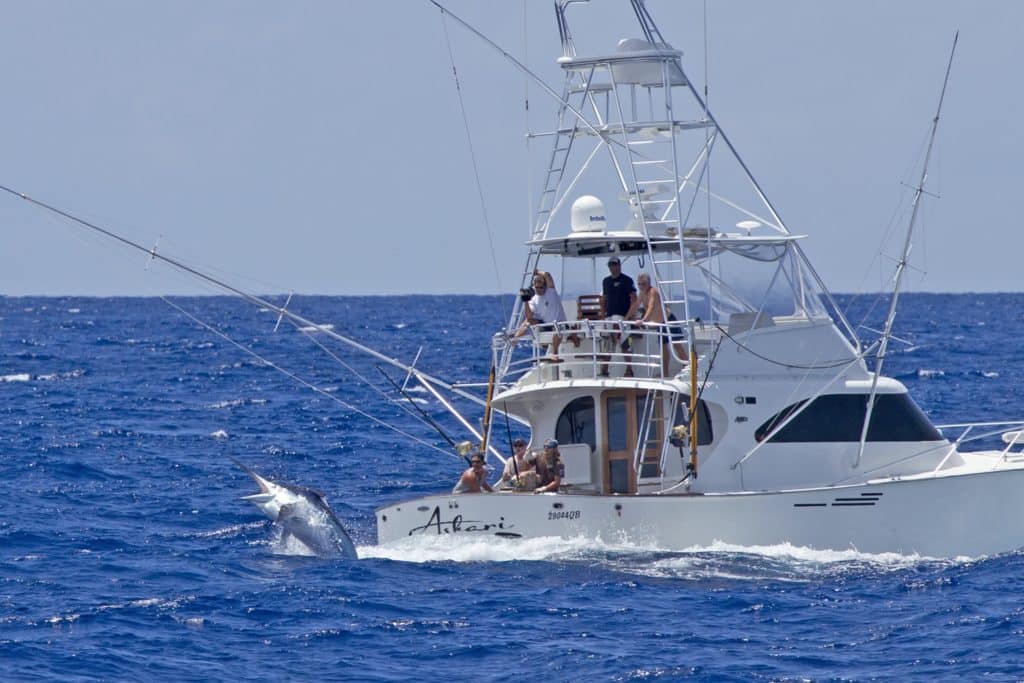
(650, 304)
(474, 478)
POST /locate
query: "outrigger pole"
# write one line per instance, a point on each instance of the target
(245, 296)
(902, 263)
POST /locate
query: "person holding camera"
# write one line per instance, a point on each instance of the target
(543, 308)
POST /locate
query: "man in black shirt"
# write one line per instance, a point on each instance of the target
(618, 297)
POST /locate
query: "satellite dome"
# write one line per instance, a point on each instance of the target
(588, 214)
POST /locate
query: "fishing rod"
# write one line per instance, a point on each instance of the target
(430, 420)
(465, 445)
(511, 448)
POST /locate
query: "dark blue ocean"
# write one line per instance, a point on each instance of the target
(127, 554)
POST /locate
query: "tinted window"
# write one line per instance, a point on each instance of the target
(840, 417)
(704, 433)
(576, 423)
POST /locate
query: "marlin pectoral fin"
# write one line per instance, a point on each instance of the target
(286, 511)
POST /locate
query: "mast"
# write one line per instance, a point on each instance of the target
(902, 264)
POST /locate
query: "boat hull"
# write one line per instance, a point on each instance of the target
(946, 516)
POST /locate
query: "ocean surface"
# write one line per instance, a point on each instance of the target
(127, 554)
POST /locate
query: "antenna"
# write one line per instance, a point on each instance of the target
(749, 226)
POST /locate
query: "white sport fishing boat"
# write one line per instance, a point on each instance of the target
(757, 416)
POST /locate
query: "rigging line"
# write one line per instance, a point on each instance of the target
(526, 124)
(890, 225)
(826, 366)
(707, 373)
(476, 168)
(309, 335)
(428, 420)
(898, 214)
(245, 296)
(793, 414)
(296, 378)
(522, 67)
(707, 133)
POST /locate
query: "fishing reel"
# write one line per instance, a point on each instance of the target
(679, 435)
(469, 450)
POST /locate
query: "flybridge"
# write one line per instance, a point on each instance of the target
(635, 141)
(697, 241)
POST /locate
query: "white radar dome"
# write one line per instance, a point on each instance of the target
(588, 214)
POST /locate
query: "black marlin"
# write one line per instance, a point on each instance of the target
(303, 515)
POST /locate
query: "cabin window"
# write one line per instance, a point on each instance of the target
(618, 423)
(576, 423)
(840, 417)
(704, 433)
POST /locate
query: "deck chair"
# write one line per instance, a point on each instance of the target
(589, 307)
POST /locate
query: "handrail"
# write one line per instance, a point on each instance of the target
(589, 347)
(970, 426)
(953, 446)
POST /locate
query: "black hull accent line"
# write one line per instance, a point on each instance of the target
(864, 500)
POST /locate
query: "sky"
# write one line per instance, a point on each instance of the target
(318, 146)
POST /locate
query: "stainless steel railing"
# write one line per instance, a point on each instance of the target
(590, 349)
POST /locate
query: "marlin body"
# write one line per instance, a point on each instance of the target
(303, 515)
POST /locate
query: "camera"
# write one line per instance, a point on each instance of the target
(526, 294)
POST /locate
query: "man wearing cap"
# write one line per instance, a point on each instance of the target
(550, 469)
(518, 464)
(619, 300)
